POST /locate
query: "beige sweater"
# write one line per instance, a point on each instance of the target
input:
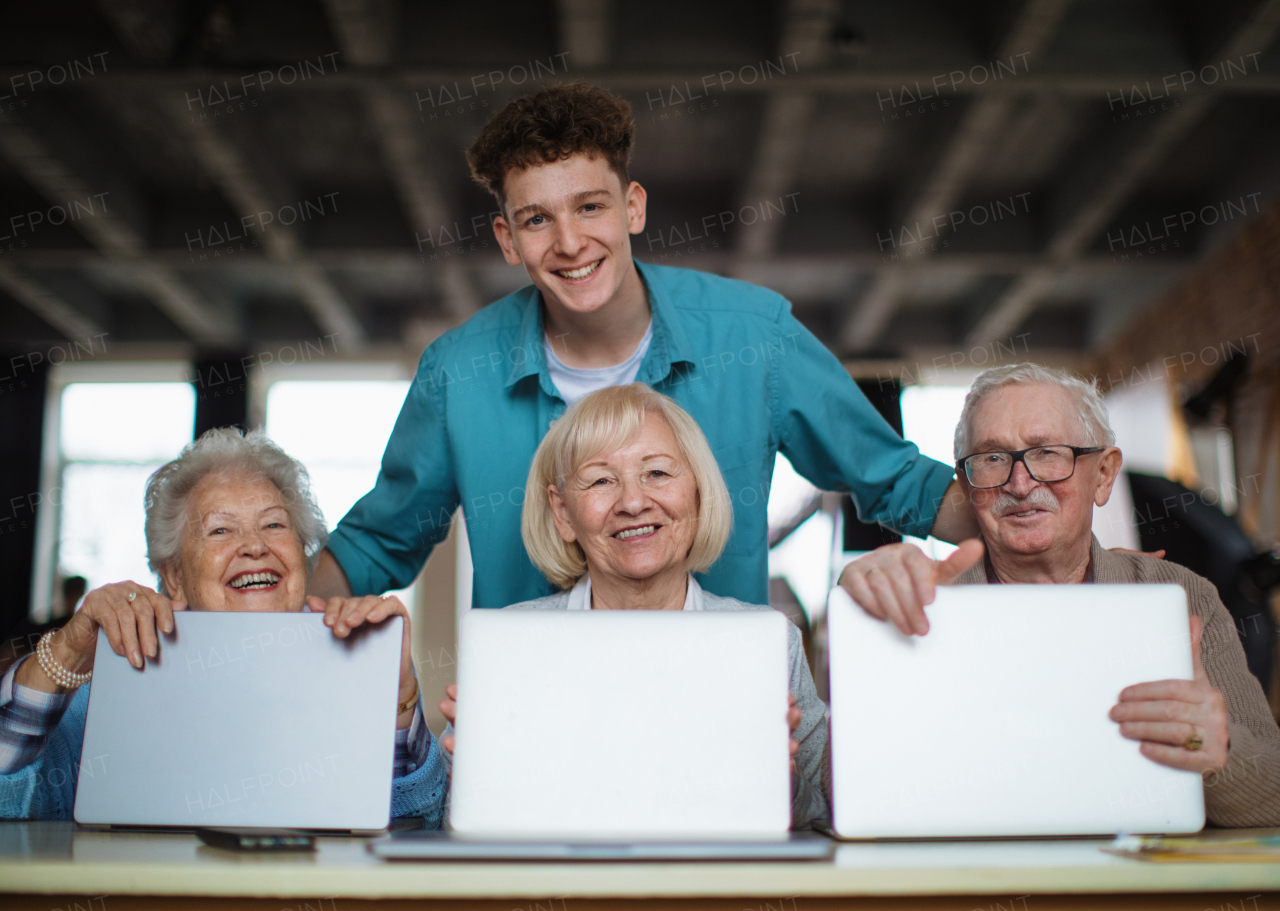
(1246, 792)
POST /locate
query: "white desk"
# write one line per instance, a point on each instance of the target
(51, 866)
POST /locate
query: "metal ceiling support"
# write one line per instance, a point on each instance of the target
(147, 28)
(983, 122)
(360, 33)
(419, 194)
(1122, 181)
(115, 238)
(584, 32)
(226, 167)
(364, 29)
(47, 305)
(785, 124)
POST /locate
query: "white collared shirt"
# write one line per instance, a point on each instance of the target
(580, 594)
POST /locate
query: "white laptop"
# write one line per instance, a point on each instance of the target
(995, 723)
(619, 734)
(244, 720)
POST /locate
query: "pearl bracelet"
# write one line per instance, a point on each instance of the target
(56, 671)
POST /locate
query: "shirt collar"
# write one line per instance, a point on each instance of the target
(669, 346)
(993, 579)
(580, 595)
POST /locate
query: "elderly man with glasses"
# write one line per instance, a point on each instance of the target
(1035, 453)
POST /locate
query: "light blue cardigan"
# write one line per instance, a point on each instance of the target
(46, 789)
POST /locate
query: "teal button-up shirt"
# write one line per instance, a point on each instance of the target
(729, 352)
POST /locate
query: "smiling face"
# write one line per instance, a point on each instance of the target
(1026, 517)
(634, 512)
(569, 223)
(240, 551)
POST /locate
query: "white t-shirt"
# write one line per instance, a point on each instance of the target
(575, 382)
(580, 594)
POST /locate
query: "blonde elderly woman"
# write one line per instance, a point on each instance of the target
(231, 526)
(624, 504)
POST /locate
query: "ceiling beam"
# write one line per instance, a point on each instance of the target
(420, 196)
(851, 262)
(114, 237)
(1121, 181)
(584, 32)
(357, 25)
(785, 124)
(147, 28)
(832, 81)
(982, 124)
(47, 305)
(364, 29)
(223, 164)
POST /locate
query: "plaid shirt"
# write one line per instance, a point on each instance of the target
(28, 717)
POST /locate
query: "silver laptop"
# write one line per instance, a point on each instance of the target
(244, 720)
(995, 723)
(619, 734)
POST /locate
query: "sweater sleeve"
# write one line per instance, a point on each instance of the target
(422, 791)
(810, 784)
(45, 788)
(1245, 792)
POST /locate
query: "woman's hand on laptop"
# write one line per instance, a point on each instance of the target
(449, 709)
(896, 581)
(1180, 723)
(130, 614)
(342, 615)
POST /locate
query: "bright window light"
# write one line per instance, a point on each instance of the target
(112, 437)
(789, 493)
(929, 418)
(803, 558)
(338, 429)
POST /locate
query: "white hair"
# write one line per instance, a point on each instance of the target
(227, 450)
(1090, 408)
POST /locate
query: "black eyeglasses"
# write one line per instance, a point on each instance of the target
(1044, 463)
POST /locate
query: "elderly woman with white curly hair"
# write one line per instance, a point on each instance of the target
(231, 526)
(625, 503)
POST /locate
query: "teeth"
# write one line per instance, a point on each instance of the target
(583, 272)
(633, 532)
(254, 580)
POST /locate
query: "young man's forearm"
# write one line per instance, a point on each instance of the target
(329, 580)
(955, 521)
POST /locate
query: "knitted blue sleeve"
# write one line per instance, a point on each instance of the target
(422, 792)
(46, 789)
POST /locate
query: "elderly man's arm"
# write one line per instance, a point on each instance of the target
(1246, 791)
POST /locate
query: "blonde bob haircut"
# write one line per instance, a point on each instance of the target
(605, 421)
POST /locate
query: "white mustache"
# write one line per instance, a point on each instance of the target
(1039, 497)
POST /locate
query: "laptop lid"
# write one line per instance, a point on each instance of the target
(244, 719)
(622, 724)
(995, 722)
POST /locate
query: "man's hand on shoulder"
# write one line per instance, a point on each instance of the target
(896, 581)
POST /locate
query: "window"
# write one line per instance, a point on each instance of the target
(338, 429)
(111, 437)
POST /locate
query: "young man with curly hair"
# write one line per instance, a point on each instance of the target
(729, 352)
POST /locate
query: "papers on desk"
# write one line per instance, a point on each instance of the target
(1198, 849)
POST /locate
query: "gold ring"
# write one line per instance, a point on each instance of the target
(133, 596)
(1193, 742)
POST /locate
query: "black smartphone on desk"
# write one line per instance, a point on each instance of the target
(257, 839)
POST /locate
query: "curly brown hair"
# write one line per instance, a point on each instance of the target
(549, 125)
